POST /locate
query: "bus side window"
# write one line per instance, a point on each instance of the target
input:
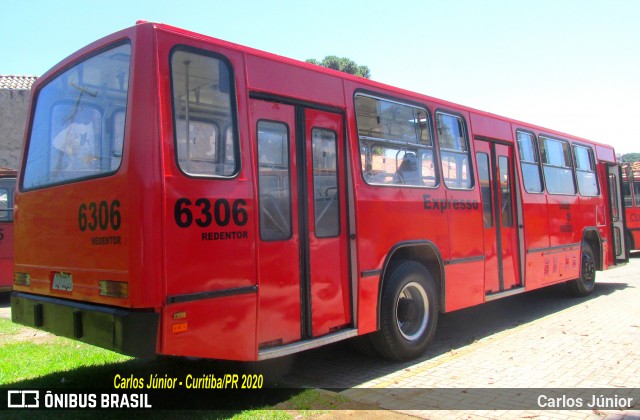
(203, 108)
(626, 193)
(273, 181)
(586, 171)
(4, 204)
(485, 188)
(325, 183)
(505, 191)
(396, 146)
(454, 151)
(557, 166)
(613, 196)
(6, 199)
(118, 138)
(529, 162)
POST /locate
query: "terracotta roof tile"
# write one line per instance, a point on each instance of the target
(12, 82)
(635, 169)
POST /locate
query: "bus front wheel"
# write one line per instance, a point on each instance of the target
(584, 285)
(409, 312)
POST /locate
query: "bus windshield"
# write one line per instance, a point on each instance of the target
(78, 125)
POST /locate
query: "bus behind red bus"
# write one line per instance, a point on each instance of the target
(7, 187)
(631, 193)
(184, 195)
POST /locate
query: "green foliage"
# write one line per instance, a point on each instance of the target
(630, 157)
(342, 64)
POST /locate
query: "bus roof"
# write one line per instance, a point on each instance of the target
(603, 151)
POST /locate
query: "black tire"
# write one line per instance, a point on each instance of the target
(584, 285)
(409, 312)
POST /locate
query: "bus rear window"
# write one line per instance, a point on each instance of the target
(77, 130)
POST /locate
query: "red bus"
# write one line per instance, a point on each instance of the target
(184, 195)
(631, 193)
(7, 187)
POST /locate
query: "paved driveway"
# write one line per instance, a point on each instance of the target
(542, 339)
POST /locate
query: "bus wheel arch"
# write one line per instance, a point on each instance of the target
(410, 299)
(409, 312)
(426, 253)
(591, 236)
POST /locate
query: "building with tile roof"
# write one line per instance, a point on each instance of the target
(15, 92)
(629, 169)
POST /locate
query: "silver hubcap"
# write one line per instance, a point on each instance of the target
(412, 311)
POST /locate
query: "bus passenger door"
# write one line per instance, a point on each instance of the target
(495, 169)
(328, 304)
(620, 254)
(302, 249)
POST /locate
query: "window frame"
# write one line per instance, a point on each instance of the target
(399, 145)
(571, 167)
(9, 187)
(487, 205)
(337, 178)
(233, 108)
(468, 152)
(506, 193)
(538, 164)
(634, 189)
(289, 174)
(592, 164)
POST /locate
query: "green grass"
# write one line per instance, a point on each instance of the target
(9, 328)
(25, 354)
(30, 359)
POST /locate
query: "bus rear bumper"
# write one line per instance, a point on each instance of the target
(126, 331)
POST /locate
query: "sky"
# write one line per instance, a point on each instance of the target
(569, 65)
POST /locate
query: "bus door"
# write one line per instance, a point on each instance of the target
(620, 255)
(302, 249)
(495, 170)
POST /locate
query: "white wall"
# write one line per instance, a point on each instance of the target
(13, 113)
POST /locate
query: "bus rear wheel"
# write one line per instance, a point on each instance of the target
(584, 285)
(409, 312)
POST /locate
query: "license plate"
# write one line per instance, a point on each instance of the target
(62, 281)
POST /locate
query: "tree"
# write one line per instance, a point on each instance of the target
(630, 157)
(342, 64)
